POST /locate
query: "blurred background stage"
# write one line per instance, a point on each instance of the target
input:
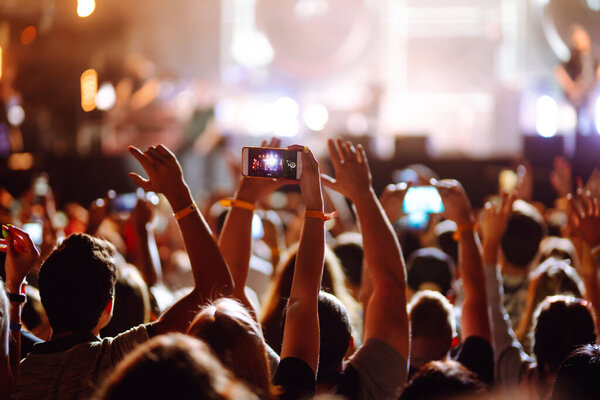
(464, 86)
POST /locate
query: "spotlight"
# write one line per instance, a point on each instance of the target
(546, 109)
(106, 97)
(85, 8)
(316, 117)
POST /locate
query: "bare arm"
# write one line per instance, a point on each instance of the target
(211, 275)
(386, 317)
(147, 259)
(474, 319)
(301, 335)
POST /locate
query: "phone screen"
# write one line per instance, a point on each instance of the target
(123, 203)
(35, 231)
(272, 163)
(422, 200)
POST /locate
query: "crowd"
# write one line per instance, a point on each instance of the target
(178, 300)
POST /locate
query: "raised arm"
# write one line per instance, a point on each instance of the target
(235, 240)
(301, 334)
(474, 318)
(386, 317)
(147, 259)
(211, 275)
(21, 257)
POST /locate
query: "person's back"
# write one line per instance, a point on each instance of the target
(77, 284)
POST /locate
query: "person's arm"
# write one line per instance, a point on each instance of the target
(235, 240)
(147, 259)
(21, 257)
(386, 317)
(301, 335)
(511, 361)
(474, 318)
(211, 275)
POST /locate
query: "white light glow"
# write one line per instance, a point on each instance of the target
(594, 5)
(15, 115)
(315, 117)
(85, 8)
(311, 8)
(106, 96)
(285, 117)
(546, 116)
(252, 50)
(271, 161)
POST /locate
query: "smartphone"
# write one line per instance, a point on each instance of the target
(40, 188)
(35, 231)
(508, 180)
(266, 162)
(125, 203)
(415, 221)
(422, 200)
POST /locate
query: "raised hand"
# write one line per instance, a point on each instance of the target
(98, 211)
(524, 188)
(593, 183)
(352, 174)
(164, 175)
(310, 181)
(560, 177)
(392, 199)
(494, 219)
(585, 216)
(456, 203)
(143, 213)
(21, 257)
(253, 189)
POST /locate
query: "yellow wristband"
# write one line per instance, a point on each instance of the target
(319, 215)
(184, 212)
(238, 204)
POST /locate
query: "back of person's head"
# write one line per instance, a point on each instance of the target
(554, 277)
(557, 247)
(432, 327)
(348, 248)
(77, 281)
(524, 231)
(444, 380)
(430, 269)
(562, 323)
(173, 366)
(577, 377)
(445, 231)
(132, 303)
(235, 338)
(336, 336)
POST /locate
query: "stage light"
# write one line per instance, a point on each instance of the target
(315, 117)
(28, 35)
(106, 97)
(284, 117)
(252, 50)
(20, 161)
(546, 109)
(89, 89)
(85, 8)
(15, 115)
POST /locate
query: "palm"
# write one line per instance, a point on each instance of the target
(351, 167)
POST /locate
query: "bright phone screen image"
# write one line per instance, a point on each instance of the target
(422, 200)
(272, 163)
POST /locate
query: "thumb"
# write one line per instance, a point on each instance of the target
(139, 181)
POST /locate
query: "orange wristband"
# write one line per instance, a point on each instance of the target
(238, 204)
(461, 229)
(185, 212)
(320, 215)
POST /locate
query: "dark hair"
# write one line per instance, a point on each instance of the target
(349, 250)
(173, 366)
(577, 377)
(445, 235)
(562, 324)
(443, 380)
(77, 281)
(132, 303)
(430, 265)
(335, 336)
(523, 234)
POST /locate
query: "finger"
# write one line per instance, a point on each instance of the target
(328, 181)
(575, 207)
(142, 158)
(263, 143)
(140, 182)
(588, 203)
(596, 203)
(22, 239)
(351, 150)
(362, 154)
(162, 149)
(346, 150)
(339, 144)
(156, 156)
(334, 154)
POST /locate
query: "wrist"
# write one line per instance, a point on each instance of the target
(363, 197)
(180, 198)
(14, 285)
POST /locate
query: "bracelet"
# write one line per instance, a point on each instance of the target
(15, 326)
(185, 212)
(16, 297)
(237, 204)
(462, 228)
(320, 215)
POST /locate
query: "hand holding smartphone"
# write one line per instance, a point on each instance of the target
(271, 163)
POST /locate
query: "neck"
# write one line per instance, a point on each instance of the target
(64, 334)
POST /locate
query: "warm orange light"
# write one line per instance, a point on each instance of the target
(85, 8)
(28, 35)
(20, 161)
(0, 62)
(89, 89)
